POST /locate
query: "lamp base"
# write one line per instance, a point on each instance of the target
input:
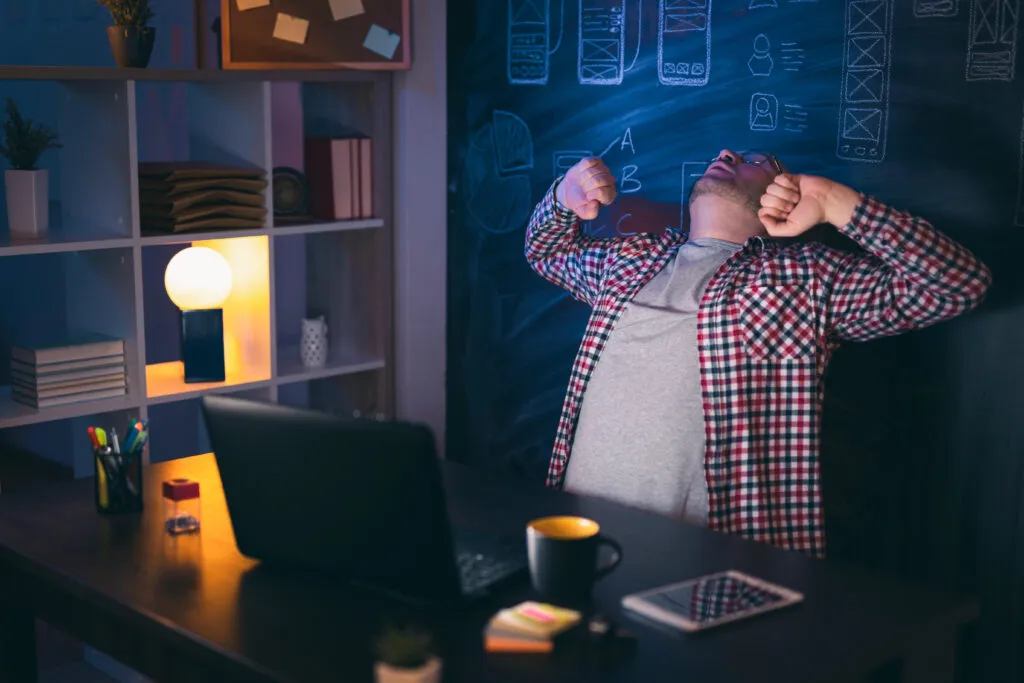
(202, 345)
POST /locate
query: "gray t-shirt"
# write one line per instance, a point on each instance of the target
(640, 437)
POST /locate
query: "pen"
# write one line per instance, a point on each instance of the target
(113, 440)
(91, 431)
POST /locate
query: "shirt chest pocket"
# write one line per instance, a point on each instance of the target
(778, 322)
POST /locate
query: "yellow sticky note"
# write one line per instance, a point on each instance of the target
(292, 29)
(244, 5)
(343, 9)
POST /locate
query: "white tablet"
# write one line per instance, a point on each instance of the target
(708, 601)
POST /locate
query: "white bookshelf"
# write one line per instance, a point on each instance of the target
(92, 271)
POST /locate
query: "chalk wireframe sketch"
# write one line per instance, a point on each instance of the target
(602, 42)
(529, 29)
(795, 118)
(761, 62)
(992, 40)
(684, 42)
(764, 111)
(864, 98)
(496, 174)
(935, 8)
(563, 160)
(792, 56)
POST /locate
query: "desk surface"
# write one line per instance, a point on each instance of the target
(200, 591)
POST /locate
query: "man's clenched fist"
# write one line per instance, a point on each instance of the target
(586, 187)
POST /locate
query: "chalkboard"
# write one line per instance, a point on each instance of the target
(316, 34)
(915, 101)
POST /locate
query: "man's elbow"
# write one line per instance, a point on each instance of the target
(977, 287)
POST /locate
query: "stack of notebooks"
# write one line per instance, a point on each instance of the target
(191, 195)
(528, 627)
(79, 367)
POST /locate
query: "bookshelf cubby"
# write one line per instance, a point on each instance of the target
(99, 270)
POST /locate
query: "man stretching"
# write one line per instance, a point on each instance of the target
(697, 390)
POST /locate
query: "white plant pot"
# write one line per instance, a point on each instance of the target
(428, 673)
(28, 208)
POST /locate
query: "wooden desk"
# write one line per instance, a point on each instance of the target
(193, 609)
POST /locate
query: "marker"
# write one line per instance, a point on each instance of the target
(129, 440)
(101, 435)
(91, 431)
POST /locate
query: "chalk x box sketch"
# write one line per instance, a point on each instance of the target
(924, 9)
(1018, 219)
(497, 167)
(684, 42)
(528, 31)
(864, 98)
(602, 42)
(992, 40)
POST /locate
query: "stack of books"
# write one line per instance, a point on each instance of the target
(192, 195)
(528, 627)
(79, 367)
(339, 172)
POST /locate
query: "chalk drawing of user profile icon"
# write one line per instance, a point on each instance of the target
(764, 111)
(761, 62)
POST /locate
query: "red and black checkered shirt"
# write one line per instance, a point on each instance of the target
(769, 320)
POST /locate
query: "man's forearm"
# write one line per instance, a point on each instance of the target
(840, 204)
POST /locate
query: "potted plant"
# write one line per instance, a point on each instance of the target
(404, 655)
(28, 195)
(131, 37)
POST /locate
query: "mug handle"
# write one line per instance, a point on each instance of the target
(616, 556)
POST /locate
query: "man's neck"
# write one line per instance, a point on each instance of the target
(716, 218)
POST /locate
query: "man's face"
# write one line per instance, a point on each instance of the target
(739, 178)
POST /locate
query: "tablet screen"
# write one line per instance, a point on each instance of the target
(713, 597)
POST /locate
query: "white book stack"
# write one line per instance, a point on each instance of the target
(79, 367)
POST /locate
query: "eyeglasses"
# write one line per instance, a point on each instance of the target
(757, 158)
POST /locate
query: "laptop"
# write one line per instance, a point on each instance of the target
(360, 499)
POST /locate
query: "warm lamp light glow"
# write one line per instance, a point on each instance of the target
(198, 278)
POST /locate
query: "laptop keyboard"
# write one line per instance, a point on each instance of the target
(484, 560)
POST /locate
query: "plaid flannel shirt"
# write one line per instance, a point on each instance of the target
(768, 322)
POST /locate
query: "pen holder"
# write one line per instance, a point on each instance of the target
(118, 481)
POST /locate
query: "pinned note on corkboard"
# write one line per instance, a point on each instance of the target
(316, 34)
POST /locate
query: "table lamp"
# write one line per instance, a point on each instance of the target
(198, 280)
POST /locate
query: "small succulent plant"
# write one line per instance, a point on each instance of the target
(133, 13)
(404, 648)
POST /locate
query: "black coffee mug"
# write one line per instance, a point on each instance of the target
(563, 557)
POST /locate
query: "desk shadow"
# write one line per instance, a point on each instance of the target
(316, 627)
(303, 626)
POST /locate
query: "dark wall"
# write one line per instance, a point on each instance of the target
(916, 102)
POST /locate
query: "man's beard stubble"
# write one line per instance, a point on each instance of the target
(727, 190)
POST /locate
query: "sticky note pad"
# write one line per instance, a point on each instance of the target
(292, 29)
(382, 41)
(244, 5)
(343, 9)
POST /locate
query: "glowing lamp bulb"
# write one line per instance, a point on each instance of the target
(198, 278)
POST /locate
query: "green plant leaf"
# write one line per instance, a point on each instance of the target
(404, 648)
(129, 13)
(23, 140)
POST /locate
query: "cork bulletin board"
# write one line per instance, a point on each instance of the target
(316, 34)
